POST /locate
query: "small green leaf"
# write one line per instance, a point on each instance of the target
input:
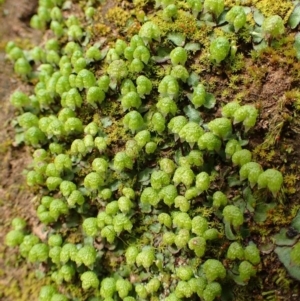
(243, 142)
(193, 47)
(155, 228)
(86, 40)
(210, 101)
(88, 240)
(177, 38)
(104, 52)
(222, 18)
(296, 222)
(258, 17)
(177, 156)
(237, 279)
(227, 28)
(247, 9)
(257, 35)
(262, 45)
(294, 18)
(284, 255)
(193, 79)
(40, 274)
(100, 43)
(145, 174)
(106, 122)
(192, 114)
(249, 198)
(228, 232)
(261, 212)
(145, 207)
(163, 51)
(115, 185)
(281, 238)
(240, 203)
(19, 138)
(207, 19)
(233, 181)
(297, 45)
(160, 59)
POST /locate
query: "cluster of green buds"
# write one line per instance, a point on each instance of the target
(16, 236)
(219, 49)
(50, 293)
(236, 17)
(248, 257)
(214, 7)
(124, 164)
(246, 114)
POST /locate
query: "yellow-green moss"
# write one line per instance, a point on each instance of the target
(282, 8)
(22, 288)
(184, 23)
(118, 16)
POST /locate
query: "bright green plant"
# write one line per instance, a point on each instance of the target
(185, 175)
(146, 257)
(213, 269)
(236, 17)
(272, 179)
(246, 270)
(209, 141)
(195, 5)
(212, 291)
(142, 183)
(215, 7)
(295, 254)
(235, 251)
(168, 87)
(149, 31)
(251, 171)
(219, 49)
(191, 132)
(221, 127)
(131, 100)
(273, 26)
(219, 199)
(233, 215)
(241, 157)
(133, 121)
(22, 67)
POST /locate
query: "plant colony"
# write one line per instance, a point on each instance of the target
(130, 153)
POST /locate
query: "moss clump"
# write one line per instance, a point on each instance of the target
(117, 16)
(272, 7)
(185, 23)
